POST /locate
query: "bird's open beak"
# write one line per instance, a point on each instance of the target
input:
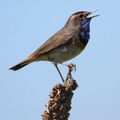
(89, 15)
(92, 16)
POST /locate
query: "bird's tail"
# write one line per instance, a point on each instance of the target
(20, 65)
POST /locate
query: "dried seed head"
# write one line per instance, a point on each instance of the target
(59, 104)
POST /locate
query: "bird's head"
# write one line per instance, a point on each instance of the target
(80, 19)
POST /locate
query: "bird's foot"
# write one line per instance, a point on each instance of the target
(71, 67)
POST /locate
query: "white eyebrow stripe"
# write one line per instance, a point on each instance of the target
(73, 17)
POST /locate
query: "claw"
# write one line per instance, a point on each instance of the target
(72, 67)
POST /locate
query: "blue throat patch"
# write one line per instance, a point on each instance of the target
(85, 30)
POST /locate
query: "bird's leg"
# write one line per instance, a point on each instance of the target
(59, 72)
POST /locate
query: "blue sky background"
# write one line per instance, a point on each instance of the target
(25, 25)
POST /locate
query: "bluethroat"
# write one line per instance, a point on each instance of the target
(64, 45)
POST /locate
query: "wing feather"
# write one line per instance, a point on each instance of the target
(60, 38)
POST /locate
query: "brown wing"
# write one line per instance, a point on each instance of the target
(61, 37)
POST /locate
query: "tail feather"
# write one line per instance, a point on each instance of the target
(20, 65)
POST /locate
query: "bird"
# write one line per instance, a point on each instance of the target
(65, 44)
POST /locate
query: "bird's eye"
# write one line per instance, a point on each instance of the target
(81, 15)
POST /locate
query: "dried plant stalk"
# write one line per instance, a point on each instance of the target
(59, 104)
